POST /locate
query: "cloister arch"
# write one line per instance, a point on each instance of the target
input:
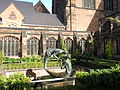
(51, 43)
(82, 45)
(68, 42)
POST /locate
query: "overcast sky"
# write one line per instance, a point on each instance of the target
(47, 3)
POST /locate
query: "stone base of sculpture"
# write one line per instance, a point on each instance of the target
(55, 82)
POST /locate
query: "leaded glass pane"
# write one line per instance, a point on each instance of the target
(88, 4)
(68, 43)
(5, 48)
(32, 46)
(1, 44)
(28, 47)
(51, 43)
(9, 47)
(82, 46)
(17, 44)
(13, 48)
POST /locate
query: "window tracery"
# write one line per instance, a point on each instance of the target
(33, 46)
(68, 43)
(8, 46)
(51, 43)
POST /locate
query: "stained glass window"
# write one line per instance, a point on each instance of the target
(88, 4)
(108, 5)
(82, 46)
(8, 45)
(51, 43)
(33, 46)
(68, 43)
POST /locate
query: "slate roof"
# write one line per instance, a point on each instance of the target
(30, 17)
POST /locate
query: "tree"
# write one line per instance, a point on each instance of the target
(109, 50)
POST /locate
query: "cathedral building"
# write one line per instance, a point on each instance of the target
(40, 8)
(91, 15)
(31, 30)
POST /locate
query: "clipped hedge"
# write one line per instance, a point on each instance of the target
(103, 77)
(14, 82)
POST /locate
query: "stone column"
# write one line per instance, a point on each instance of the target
(100, 42)
(59, 40)
(43, 43)
(23, 44)
(114, 46)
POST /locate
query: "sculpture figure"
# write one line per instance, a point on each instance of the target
(65, 60)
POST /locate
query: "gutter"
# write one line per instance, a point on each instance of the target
(44, 25)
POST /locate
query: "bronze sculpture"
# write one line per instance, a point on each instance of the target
(65, 61)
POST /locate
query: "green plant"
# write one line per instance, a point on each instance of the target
(1, 57)
(34, 58)
(114, 19)
(26, 65)
(16, 81)
(100, 77)
(63, 47)
(109, 50)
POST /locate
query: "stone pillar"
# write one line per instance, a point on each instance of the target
(100, 42)
(43, 43)
(114, 46)
(59, 40)
(23, 44)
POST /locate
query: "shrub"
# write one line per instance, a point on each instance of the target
(109, 50)
(103, 77)
(15, 82)
(63, 47)
(1, 57)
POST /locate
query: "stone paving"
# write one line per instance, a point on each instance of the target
(39, 71)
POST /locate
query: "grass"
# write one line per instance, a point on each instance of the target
(95, 64)
(103, 62)
(28, 65)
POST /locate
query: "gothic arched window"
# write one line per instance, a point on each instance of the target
(68, 43)
(33, 46)
(51, 43)
(89, 4)
(8, 45)
(0, 19)
(13, 48)
(82, 46)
